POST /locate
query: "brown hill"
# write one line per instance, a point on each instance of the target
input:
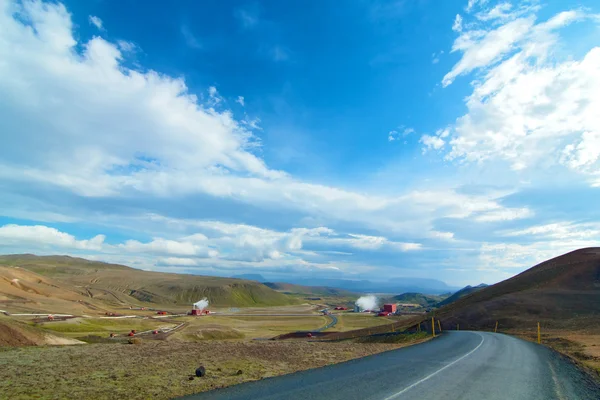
(561, 293)
(15, 333)
(75, 285)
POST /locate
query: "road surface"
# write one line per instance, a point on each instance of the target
(458, 365)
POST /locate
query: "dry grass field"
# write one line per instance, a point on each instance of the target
(161, 369)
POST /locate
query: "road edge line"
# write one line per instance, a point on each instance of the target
(395, 395)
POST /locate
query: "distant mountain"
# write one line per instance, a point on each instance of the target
(461, 293)
(250, 277)
(393, 285)
(309, 290)
(424, 300)
(562, 293)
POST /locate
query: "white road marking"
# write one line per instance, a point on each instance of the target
(395, 395)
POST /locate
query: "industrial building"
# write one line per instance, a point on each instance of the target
(390, 308)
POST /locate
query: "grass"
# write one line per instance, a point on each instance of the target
(80, 327)
(226, 327)
(410, 338)
(159, 369)
(350, 321)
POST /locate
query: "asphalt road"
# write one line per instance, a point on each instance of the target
(458, 365)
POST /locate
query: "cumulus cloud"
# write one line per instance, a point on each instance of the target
(112, 143)
(43, 236)
(527, 108)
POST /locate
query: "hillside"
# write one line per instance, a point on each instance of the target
(461, 293)
(424, 300)
(561, 293)
(77, 285)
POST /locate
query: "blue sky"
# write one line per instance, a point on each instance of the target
(456, 140)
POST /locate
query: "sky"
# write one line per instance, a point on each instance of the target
(457, 140)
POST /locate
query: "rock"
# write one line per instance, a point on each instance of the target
(191, 378)
(200, 371)
(239, 372)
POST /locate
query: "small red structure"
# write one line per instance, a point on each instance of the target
(162, 313)
(391, 308)
(200, 312)
(131, 334)
(112, 335)
(154, 332)
(383, 314)
(309, 335)
(340, 308)
(50, 317)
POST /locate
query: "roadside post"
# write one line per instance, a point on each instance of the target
(539, 334)
(432, 327)
(440, 326)
(496, 327)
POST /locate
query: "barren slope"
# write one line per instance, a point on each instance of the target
(561, 293)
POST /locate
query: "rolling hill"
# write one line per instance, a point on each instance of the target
(561, 293)
(461, 293)
(77, 285)
(424, 300)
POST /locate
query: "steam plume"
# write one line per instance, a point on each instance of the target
(367, 302)
(201, 305)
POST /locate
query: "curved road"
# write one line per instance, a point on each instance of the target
(458, 365)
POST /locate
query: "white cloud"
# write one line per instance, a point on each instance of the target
(585, 154)
(97, 22)
(432, 142)
(457, 26)
(560, 231)
(481, 49)
(442, 235)
(528, 108)
(498, 256)
(507, 214)
(240, 100)
(126, 46)
(172, 247)
(473, 3)
(43, 236)
(397, 135)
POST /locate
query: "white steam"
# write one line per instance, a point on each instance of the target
(367, 302)
(201, 305)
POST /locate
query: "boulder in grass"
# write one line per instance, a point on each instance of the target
(200, 371)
